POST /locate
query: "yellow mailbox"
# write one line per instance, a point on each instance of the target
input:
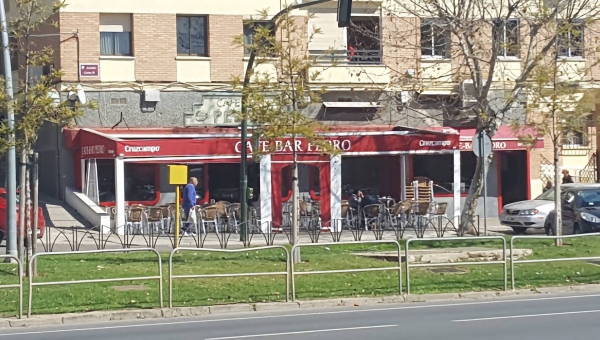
(177, 177)
(178, 174)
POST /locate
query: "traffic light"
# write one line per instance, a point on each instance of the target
(344, 13)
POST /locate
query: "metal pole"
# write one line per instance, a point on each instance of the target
(484, 180)
(11, 156)
(177, 216)
(244, 152)
(36, 204)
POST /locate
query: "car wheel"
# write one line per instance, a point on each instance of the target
(549, 230)
(577, 230)
(519, 230)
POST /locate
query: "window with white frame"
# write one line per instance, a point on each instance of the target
(570, 39)
(505, 34)
(575, 132)
(115, 34)
(435, 39)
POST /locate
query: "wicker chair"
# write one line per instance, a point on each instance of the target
(135, 216)
(155, 219)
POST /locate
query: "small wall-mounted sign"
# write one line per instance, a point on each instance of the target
(89, 70)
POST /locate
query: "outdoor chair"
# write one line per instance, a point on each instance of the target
(420, 217)
(155, 219)
(371, 216)
(399, 217)
(135, 218)
(437, 216)
(166, 213)
(210, 217)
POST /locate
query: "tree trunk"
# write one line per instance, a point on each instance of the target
(469, 210)
(557, 199)
(21, 230)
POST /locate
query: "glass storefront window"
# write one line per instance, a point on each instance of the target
(140, 181)
(440, 170)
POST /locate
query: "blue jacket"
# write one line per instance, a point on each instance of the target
(189, 196)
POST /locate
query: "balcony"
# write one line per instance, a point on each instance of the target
(348, 67)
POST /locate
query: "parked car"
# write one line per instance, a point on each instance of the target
(532, 213)
(580, 211)
(41, 220)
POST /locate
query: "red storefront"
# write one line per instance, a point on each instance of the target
(216, 146)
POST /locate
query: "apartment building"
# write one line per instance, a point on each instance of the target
(159, 69)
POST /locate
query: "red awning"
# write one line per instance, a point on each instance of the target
(506, 138)
(96, 144)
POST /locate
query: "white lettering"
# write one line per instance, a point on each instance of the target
(299, 145)
(151, 149)
(92, 150)
(499, 145)
(434, 143)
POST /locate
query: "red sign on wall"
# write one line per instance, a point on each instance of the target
(89, 70)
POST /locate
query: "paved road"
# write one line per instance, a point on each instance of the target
(547, 318)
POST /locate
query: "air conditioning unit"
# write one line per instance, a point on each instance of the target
(152, 96)
(467, 93)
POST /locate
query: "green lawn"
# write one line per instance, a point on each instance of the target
(210, 291)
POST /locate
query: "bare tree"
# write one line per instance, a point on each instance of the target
(471, 48)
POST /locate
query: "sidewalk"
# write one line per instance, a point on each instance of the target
(80, 238)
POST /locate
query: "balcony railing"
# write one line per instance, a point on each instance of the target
(356, 57)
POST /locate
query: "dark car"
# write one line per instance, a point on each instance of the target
(580, 211)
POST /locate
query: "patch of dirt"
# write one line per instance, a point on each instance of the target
(130, 288)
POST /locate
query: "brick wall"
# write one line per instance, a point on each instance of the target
(401, 49)
(226, 58)
(87, 26)
(155, 47)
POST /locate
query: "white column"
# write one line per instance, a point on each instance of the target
(456, 187)
(83, 175)
(336, 192)
(120, 195)
(403, 176)
(266, 190)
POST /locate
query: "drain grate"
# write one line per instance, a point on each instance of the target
(449, 270)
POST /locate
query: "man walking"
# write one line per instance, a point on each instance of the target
(189, 201)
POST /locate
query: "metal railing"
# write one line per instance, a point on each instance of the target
(540, 237)
(454, 264)
(16, 285)
(337, 271)
(158, 277)
(198, 276)
(347, 56)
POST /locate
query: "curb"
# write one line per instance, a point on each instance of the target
(129, 315)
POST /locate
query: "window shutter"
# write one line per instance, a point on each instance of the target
(331, 36)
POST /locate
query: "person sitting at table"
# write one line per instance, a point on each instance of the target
(189, 201)
(360, 200)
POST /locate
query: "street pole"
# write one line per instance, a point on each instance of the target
(484, 180)
(244, 122)
(11, 156)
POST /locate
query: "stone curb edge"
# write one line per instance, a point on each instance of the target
(128, 315)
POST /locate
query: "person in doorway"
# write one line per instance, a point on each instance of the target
(189, 201)
(549, 186)
(566, 177)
